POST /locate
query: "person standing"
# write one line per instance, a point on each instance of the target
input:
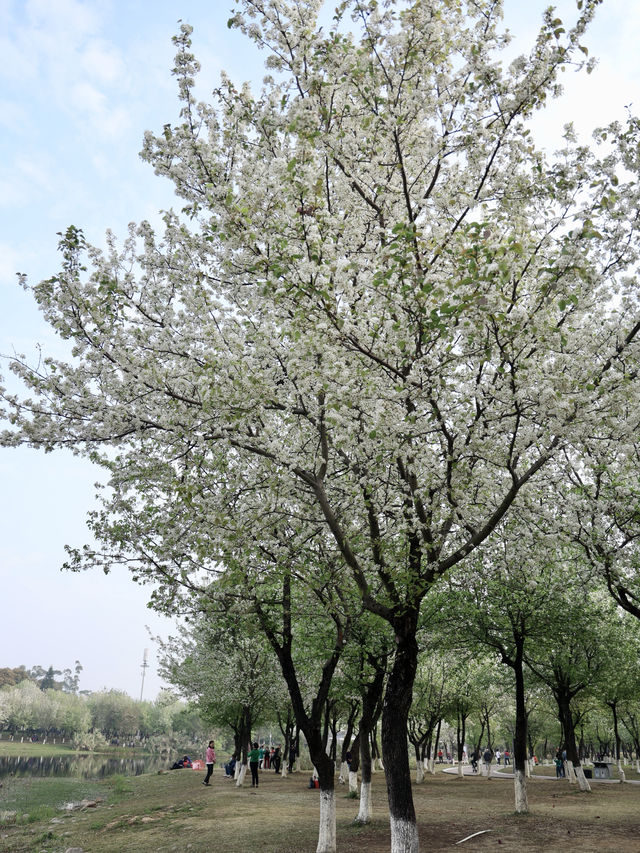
(210, 760)
(254, 763)
(292, 756)
(277, 758)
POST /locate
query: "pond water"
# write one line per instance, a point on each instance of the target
(81, 766)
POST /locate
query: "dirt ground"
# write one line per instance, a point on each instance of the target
(175, 812)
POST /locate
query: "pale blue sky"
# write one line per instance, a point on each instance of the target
(80, 82)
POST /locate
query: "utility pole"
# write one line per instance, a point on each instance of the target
(144, 669)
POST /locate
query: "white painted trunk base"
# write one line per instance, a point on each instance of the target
(365, 812)
(432, 766)
(344, 771)
(460, 770)
(284, 772)
(404, 836)
(520, 790)
(327, 832)
(583, 783)
(353, 782)
(241, 775)
(419, 773)
(570, 772)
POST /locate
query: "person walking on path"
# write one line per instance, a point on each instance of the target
(210, 760)
(254, 762)
(487, 756)
(474, 761)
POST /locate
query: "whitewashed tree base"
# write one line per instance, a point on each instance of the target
(327, 833)
(520, 790)
(344, 772)
(353, 782)
(241, 775)
(365, 812)
(404, 836)
(419, 773)
(583, 783)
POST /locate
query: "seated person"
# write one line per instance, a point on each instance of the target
(230, 767)
(181, 762)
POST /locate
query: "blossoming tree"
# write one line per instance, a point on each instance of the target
(381, 312)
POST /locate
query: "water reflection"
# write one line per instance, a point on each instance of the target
(80, 766)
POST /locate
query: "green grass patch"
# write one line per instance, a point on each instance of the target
(119, 784)
(27, 794)
(15, 749)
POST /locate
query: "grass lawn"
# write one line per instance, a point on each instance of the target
(15, 749)
(174, 812)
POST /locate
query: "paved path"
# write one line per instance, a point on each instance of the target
(499, 772)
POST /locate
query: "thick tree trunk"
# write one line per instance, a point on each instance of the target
(395, 713)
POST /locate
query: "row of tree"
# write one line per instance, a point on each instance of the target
(44, 678)
(579, 679)
(27, 710)
(388, 344)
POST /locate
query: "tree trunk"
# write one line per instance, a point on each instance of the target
(520, 791)
(327, 832)
(460, 738)
(573, 759)
(395, 713)
(616, 732)
(365, 811)
(520, 736)
(245, 737)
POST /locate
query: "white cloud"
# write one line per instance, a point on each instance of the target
(103, 62)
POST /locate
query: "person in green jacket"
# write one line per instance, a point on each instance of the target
(254, 763)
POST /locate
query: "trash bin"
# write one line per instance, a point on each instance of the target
(588, 773)
(601, 770)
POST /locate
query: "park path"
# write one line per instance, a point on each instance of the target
(498, 772)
